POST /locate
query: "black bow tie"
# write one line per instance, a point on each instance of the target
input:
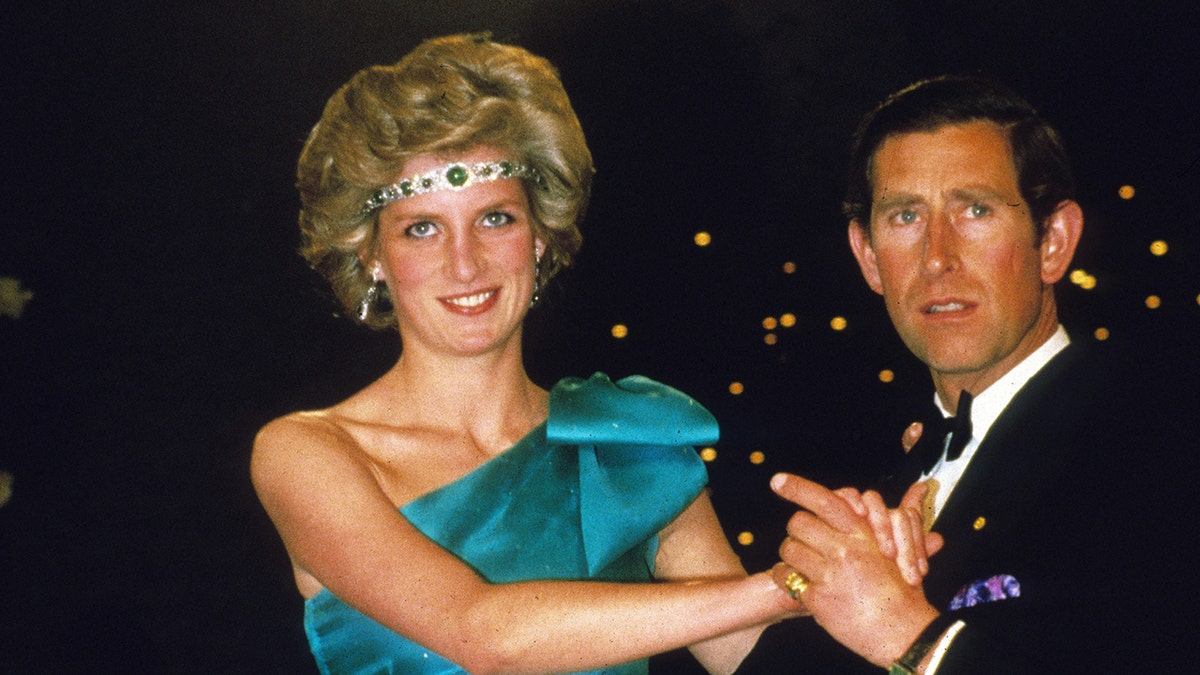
(958, 428)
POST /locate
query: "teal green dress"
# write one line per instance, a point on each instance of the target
(582, 496)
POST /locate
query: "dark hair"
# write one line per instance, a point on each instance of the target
(1043, 169)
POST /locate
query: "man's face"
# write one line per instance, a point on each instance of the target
(952, 250)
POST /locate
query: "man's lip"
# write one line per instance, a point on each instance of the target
(474, 302)
(946, 306)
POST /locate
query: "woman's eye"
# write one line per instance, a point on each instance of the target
(496, 219)
(421, 229)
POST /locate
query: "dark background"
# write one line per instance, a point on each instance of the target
(148, 164)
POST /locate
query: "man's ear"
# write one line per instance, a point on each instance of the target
(1060, 236)
(860, 244)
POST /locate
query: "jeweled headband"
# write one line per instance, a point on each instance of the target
(456, 176)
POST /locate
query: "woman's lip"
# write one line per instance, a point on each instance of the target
(475, 302)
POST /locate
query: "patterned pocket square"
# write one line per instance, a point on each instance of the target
(995, 588)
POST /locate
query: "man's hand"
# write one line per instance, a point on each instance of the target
(900, 532)
(856, 592)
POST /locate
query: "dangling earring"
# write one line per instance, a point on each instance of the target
(537, 279)
(364, 308)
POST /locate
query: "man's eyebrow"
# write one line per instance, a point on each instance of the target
(893, 199)
(978, 192)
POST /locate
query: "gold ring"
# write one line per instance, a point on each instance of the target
(796, 584)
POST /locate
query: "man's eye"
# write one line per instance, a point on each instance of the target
(907, 217)
(421, 229)
(978, 210)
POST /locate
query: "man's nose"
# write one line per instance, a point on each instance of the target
(941, 245)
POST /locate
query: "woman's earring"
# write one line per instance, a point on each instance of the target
(364, 308)
(537, 280)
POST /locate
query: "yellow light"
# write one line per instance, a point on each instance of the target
(1101, 334)
(838, 323)
(708, 454)
(1153, 302)
(703, 239)
(1126, 192)
(736, 388)
(620, 330)
(745, 539)
(757, 457)
(770, 323)
(789, 267)
(1159, 247)
(1089, 282)
(886, 375)
(1078, 276)
(787, 320)
(770, 338)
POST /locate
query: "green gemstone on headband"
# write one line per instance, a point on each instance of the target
(454, 176)
(457, 175)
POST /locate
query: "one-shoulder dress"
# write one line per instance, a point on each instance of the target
(581, 496)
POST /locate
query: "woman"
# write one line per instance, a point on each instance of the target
(442, 518)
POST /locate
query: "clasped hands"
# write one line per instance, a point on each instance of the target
(861, 564)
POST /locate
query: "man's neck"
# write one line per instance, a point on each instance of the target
(950, 385)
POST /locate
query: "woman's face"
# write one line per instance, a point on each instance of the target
(459, 264)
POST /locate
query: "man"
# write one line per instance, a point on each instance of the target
(1064, 534)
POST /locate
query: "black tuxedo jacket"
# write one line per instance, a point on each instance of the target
(1078, 500)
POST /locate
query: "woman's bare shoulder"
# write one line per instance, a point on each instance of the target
(312, 440)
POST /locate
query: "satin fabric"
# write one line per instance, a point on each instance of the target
(582, 496)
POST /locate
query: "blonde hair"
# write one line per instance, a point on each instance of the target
(447, 96)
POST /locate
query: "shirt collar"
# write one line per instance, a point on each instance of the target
(989, 403)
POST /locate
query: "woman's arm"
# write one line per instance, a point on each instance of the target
(338, 526)
(693, 547)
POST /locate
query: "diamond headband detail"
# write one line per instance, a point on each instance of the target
(456, 176)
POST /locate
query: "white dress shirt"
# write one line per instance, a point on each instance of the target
(985, 408)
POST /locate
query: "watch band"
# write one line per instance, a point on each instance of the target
(907, 664)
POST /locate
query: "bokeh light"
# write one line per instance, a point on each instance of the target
(702, 239)
(838, 323)
(787, 320)
(1101, 333)
(1082, 279)
(770, 323)
(745, 538)
(1159, 247)
(770, 338)
(789, 267)
(1126, 192)
(620, 330)
(708, 454)
(886, 375)
(736, 388)
(1153, 302)
(757, 457)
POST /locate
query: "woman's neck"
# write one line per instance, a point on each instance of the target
(489, 396)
